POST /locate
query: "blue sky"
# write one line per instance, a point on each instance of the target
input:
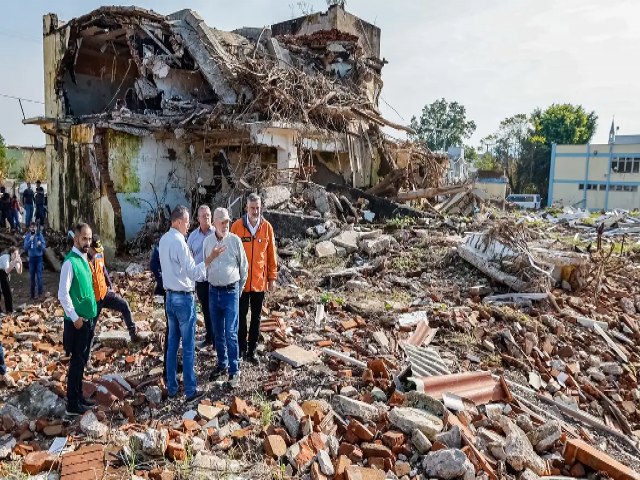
(496, 57)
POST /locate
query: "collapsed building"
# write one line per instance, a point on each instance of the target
(144, 111)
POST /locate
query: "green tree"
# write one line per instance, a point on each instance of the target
(443, 124)
(4, 161)
(560, 124)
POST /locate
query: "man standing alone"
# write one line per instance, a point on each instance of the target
(227, 276)
(35, 246)
(260, 247)
(27, 202)
(179, 274)
(196, 239)
(80, 310)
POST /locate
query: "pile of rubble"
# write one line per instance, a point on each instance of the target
(392, 358)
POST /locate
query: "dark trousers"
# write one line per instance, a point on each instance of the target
(3, 367)
(202, 291)
(255, 299)
(77, 342)
(40, 214)
(113, 301)
(5, 217)
(35, 275)
(6, 291)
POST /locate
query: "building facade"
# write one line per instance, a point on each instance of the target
(596, 176)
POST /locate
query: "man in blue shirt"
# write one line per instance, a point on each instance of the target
(35, 245)
(196, 239)
(27, 200)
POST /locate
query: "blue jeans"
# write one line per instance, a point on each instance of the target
(28, 214)
(15, 219)
(35, 275)
(181, 317)
(3, 368)
(223, 306)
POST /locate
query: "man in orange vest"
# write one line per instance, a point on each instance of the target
(102, 287)
(260, 247)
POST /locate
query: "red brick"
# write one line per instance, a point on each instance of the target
(104, 397)
(361, 473)
(53, 430)
(360, 431)
(402, 468)
(240, 408)
(176, 451)
(396, 399)
(36, 462)
(316, 474)
(341, 464)
(376, 450)
(114, 388)
(275, 446)
(394, 439)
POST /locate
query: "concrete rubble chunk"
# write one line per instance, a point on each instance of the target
(93, 427)
(7, 442)
(14, 414)
(208, 412)
(152, 442)
(295, 356)
(205, 464)
(354, 408)
(529, 475)
(409, 419)
(291, 417)
(153, 394)
(448, 464)
(324, 461)
(420, 442)
(543, 437)
(275, 195)
(325, 249)
(114, 338)
(452, 438)
(300, 455)
(347, 240)
(376, 246)
(37, 401)
(518, 450)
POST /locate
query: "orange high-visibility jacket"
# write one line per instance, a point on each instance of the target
(97, 272)
(261, 253)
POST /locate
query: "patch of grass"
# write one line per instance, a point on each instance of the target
(493, 361)
(463, 339)
(12, 470)
(266, 411)
(399, 223)
(327, 297)
(184, 468)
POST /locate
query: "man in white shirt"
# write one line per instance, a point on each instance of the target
(78, 301)
(195, 241)
(179, 274)
(9, 262)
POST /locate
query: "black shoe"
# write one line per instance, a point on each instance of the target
(195, 396)
(216, 374)
(252, 358)
(75, 410)
(87, 402)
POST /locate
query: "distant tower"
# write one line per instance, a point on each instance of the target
(612, 132)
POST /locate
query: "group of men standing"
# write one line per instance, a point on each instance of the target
(229, 268)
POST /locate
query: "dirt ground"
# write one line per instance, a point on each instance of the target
(20, 286)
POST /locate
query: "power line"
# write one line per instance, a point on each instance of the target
(21, 98)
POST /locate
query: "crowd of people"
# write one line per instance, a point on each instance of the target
(225, 267)
(32, 207)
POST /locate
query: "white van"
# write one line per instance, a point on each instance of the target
(525, 200)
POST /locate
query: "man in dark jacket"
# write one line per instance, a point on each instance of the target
(27, 201)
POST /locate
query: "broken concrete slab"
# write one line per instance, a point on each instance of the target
(295, 356)
(448, 464)
(92, 427)
(348, 240)
(518, 449)
(325, 249)
(37, 401)
(290, 225)
(409, 419)
(350, 407)
(114, 338)
(376, 246)
(275, 195)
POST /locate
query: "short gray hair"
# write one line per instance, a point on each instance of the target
(202, 207)
(254, 197)
(179, 213)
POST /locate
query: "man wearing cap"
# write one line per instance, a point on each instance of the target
(179, 274)
(260, 247)
(78, 301)
(103, 288)
(196, 239)
(227, 275)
